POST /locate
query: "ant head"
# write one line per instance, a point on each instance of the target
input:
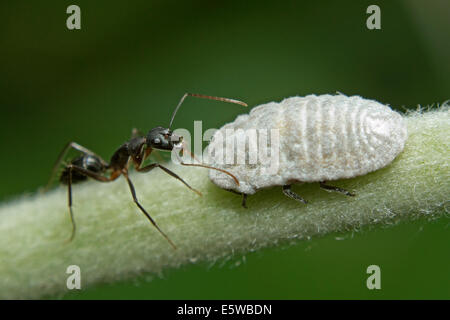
(162, 139)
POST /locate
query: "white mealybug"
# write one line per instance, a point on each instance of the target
(305, 139)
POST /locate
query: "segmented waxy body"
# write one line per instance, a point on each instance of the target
(321, 138)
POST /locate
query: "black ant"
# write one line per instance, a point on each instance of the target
(135, 151)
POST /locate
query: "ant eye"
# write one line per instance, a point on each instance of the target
(157, 141)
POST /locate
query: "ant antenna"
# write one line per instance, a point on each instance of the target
(202, 165)
(204, 97)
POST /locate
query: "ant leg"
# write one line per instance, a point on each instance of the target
(133, 193)
(173, 174)
(90, 174)
(158, 155)
(136, 133)
(244, 196)
(69, 200)
(291, 194)
(94, 175)
(336, 189)
(70, 145)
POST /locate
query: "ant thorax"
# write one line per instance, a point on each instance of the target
(136, 145)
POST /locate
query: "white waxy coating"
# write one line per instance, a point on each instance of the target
(321, 138)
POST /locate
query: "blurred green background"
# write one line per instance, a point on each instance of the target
(132, 61)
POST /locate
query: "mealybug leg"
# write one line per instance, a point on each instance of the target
(244, 200)
(291, 194)
(336, 189)
(244, 196)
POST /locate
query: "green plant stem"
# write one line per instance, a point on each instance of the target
(115, 241)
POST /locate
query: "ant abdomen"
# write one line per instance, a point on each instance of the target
(87, 162)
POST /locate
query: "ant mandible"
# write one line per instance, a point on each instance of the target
(135, 151)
